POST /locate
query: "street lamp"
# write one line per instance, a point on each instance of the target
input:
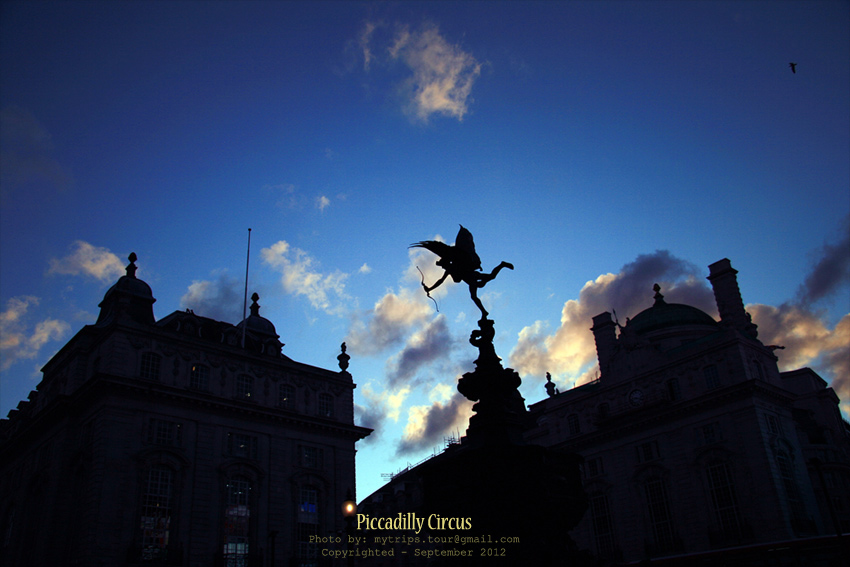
(349, 509)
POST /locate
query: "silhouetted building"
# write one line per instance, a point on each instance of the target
(693, 441)
(183, 441)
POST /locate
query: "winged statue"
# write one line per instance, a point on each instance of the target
(461, 262)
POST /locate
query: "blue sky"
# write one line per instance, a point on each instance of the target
(598, 146)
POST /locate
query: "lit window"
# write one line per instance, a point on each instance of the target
(156, 513)
(308, 524)
(149, 369)
(199, 377)
(326, 405)
(244, 387)
(287, 396)
(237, 522)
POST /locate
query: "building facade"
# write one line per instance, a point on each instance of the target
(693, 441)
(183, 441)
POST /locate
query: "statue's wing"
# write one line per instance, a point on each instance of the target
(441, 249)
(466, 245)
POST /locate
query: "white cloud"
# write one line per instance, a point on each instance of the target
(300, 277)
(88, 260)
(365, 269)
(322, 203)
(378, 408)
(393, 317)
(18, 341)
(222, 299)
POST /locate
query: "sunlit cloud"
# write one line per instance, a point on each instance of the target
(442, 74)
(22, 341)
(569, 352)
(300, 276)
(388, 323)
(26, 149)
(222, 299)
(379, 407)
(88, 260)
(428, 426)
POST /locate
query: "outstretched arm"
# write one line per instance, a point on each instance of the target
(436, 284)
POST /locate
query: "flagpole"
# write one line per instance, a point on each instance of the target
(245, 302)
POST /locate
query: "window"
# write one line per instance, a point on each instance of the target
(604, 409)
(161, 432)
(311, 457)
(658, 505)
(573, 424)
(789, 484)
(156, 513)
(199, 377)
(723, 500)
(673, 391)
(237, 522)
(308, 525)
(773, 425)
(708, 434)
(758, 369)
(647, 451)
(244, 387)
(593, 467)
(241, 445)
(326, 405)
(712, 379)
(603, 527)
(149, 369)
(287, 396)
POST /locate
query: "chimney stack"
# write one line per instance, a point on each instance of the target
(724, 282)
(605, 334)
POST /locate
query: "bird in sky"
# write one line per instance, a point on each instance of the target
(793, 67)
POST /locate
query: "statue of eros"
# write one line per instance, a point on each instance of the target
(462, 264)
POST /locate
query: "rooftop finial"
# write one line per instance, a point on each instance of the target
(255, 307)
(343, 358)
(131, 267)
(659, 299)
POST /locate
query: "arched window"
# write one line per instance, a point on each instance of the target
(603, 527)
(149, 368)
(307, 524)
(237, 521)
(156, 514)
(326, 405)
(658, 506)
(785, 468)
(724, 501)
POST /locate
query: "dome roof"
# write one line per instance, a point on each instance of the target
(664, 315)
(256, 324)
(128, 296)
